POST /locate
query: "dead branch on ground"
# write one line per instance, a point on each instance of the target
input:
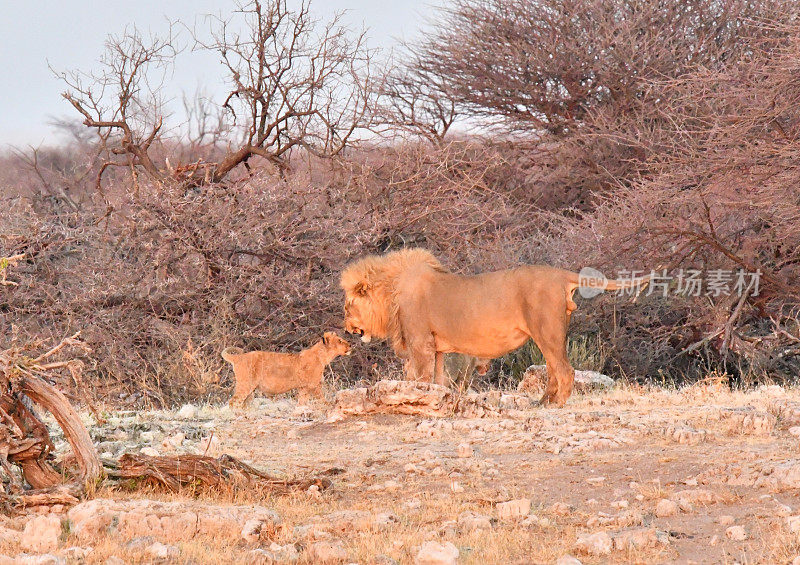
(179, 471)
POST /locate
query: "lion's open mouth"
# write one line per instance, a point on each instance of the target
(365, 337)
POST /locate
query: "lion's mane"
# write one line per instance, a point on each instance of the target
(380, 274)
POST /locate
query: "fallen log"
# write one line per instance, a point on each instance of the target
(180, 471)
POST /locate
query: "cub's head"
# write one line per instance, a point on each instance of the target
(335, 344)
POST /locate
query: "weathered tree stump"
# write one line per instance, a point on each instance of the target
(25, 440)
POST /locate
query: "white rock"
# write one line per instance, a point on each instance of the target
(470, 522)
(334, 416)
(162, 551)
(384, 520)
(41, 533)
(9, 535)
(560, 509)
(433, 553)
(795, 431)
(599, 543)
(514, 508)
(793, 523)
(695, 496)
(210, 445)
(26, 559)
(187, 412)
(736, 533)
(279, 554)
(263, 557)
(149, 451)
(666, 508)
(76, 552)
(174, 441)
(727, 520)
(326, 552)
(251, 532)
(464, 450)
(639, 538)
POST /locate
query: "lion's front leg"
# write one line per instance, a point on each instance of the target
(438, 369)
(420, 365)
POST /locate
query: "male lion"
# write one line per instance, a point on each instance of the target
(426, 311)
(276, 373)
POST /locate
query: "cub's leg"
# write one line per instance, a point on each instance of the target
(244, 389)
(305, 394)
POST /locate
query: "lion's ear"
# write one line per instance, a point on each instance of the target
(325, 338)
(361, 288)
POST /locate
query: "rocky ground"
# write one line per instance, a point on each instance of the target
(699, 475)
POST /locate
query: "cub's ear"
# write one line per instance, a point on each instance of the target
(361, 288)
(325, 338)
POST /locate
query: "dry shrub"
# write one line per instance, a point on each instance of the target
(726, 195)
(170, 276)
(568, 77)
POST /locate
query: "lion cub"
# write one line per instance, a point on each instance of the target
(276, 373)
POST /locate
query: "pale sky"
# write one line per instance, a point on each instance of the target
(70, 35)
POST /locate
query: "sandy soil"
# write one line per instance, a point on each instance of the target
(701, 475)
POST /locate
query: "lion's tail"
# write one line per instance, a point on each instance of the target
(230, 352)
(574, 281)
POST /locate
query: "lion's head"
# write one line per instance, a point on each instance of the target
(368, 284)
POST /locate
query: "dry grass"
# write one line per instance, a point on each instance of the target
(513, 459)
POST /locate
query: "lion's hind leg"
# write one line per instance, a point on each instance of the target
(550, 334)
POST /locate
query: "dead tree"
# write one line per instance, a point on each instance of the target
(546, 65)
(24, 438)
(122, 101)
(416, 98)
(293, 85)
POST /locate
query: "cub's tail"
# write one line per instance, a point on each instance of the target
(230, 352)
